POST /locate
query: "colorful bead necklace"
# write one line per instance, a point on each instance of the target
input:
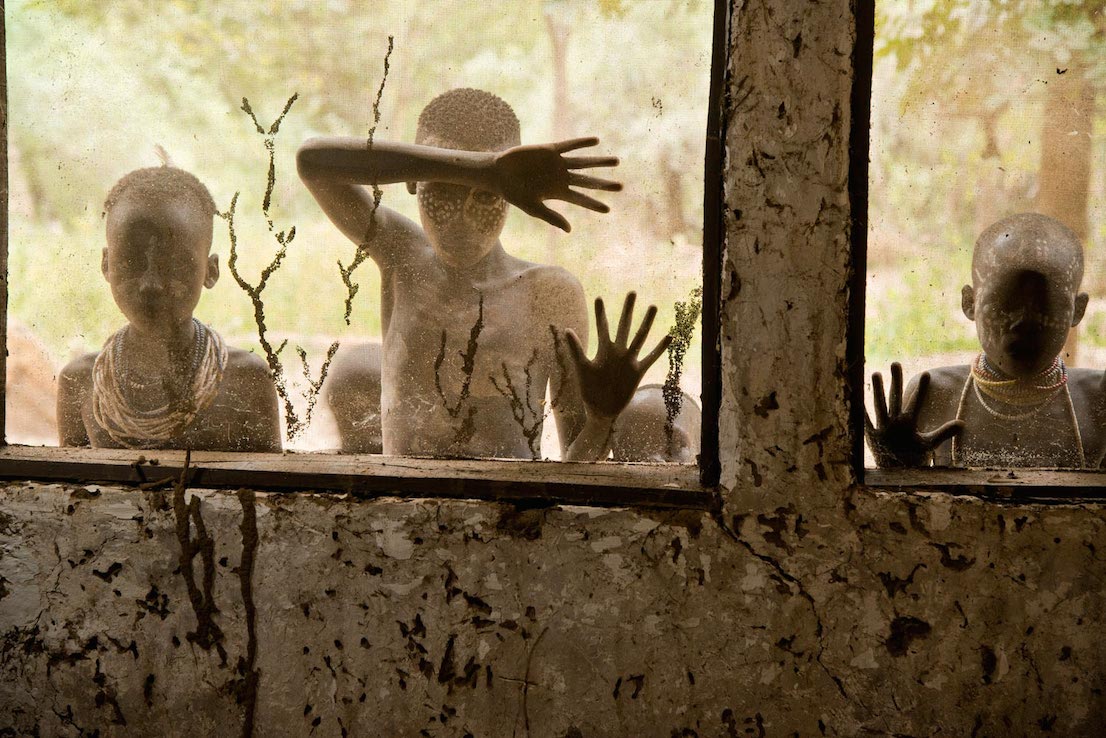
(134, 428)
(1036, 393)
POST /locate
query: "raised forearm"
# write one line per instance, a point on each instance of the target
(593, 443)
(350, 160)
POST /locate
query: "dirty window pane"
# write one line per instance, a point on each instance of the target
(334, 309)
(987, 196)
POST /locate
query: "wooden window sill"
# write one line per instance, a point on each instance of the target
(1040, 485)
(369, 476)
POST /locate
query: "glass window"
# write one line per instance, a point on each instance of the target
(986, 243)
(309, 225)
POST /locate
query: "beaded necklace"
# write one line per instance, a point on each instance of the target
(1036, 393)
(135, 428)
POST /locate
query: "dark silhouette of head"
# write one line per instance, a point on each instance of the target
(1024, 296)
(639, 433)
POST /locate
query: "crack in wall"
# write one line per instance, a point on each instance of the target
(207, 634)
(527, 682)
(251, 675)
(107, 695)
(362, 252)
(789, 578)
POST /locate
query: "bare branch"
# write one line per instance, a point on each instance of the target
(468, 363)
(294, 424)
(530, 419)
(362, 252)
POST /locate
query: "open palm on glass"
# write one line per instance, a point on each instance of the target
(894, 437)
(526, 176)
(608, 382)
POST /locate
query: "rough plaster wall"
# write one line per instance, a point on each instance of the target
(809, 606)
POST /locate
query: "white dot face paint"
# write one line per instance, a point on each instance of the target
(1026, 271)
(462, 224)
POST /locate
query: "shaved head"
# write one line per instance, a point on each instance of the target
(1024, 296)
(470, 120)
(639, 432)
(1029, 241)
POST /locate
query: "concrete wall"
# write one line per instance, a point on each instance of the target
(810, 606)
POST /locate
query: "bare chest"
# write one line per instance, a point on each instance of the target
(443, 334)
(225, 424)
(465, 370)
(1058, 433)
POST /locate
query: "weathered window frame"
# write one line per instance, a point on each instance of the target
(998, 484)
(606, 484)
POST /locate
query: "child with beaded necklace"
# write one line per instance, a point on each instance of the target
(165, 380)
(1016, 404)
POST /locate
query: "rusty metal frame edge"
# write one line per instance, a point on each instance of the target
(710, 464)
(3, 223)
(859, 139)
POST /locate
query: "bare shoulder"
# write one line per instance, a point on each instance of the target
(551, 276)
(1086, 384)
(946, 384)
(244, 363)
(556, 293)
(945, 378)
(248, 373)
(357, 362)
(78, 372)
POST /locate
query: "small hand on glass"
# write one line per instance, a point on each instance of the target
(529, 175)
(608, 382)
(894, 438)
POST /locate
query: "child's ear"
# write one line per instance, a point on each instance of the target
(1080, 308)
(967, 302)
(104, 263)
(411, 187)
(212, 275)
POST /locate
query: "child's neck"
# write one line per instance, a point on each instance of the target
(157, 350)
(489, 265)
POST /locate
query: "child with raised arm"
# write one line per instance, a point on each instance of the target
(473, 336)
(165, 380)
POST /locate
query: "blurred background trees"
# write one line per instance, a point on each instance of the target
(981, 108)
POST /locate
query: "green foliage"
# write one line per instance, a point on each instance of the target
(921, 316)
(687, 318)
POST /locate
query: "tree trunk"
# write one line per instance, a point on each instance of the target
(558, 28)
(674, 221)
(1066, 158)
(561, 123)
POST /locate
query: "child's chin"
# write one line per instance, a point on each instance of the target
(1022, 367)
(153, 321)
(464, 256)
